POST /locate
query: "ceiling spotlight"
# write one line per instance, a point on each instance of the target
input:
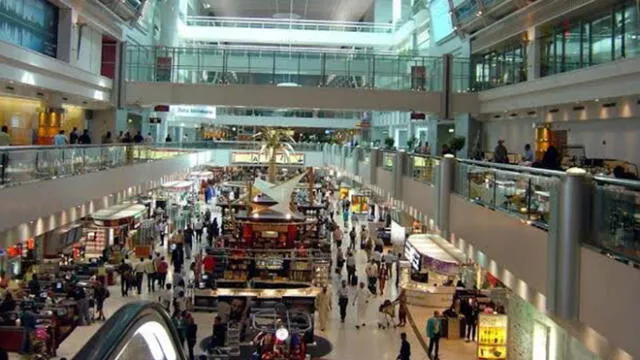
(206, 5)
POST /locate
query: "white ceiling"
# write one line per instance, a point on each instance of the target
(340, 10)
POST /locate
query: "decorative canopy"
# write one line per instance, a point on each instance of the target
(280, 193)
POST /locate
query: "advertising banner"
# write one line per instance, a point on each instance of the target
(255, 157)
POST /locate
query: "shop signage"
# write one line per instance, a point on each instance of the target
(207, 112)
(255, 157)
(412, 255)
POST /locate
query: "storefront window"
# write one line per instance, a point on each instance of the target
(601, 40)
(612, 35)
(501, 67)
(631, 32)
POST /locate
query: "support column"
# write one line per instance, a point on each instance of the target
(169, 17)
(533, 54)
(357, 155)
(573, 226)
(444, 189)
(65, 31)
(374, 161)
(401, 159)
(467, 127)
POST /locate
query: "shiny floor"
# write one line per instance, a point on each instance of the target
(348, 343)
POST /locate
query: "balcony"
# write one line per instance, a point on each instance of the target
(291, 31)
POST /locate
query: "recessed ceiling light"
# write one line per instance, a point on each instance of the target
(596, 100)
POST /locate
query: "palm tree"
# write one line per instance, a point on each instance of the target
(274, 141)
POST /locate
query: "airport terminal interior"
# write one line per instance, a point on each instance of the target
(319, 179)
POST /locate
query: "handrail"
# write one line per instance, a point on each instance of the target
(290, 23)
(516, 168)
(630, 184)
(116, 332)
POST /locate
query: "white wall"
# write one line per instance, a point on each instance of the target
(612, 133)
(86, 54)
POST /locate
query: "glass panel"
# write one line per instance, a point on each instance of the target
(618, 32)
(617, 221)
(601, 40)
(586, 49)
(423, 168)
(631, 32)
(572, 43)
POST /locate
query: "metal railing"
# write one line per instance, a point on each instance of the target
(239, 145)
(288, 24)
(282, 68)
(520, 191)
(27, 164)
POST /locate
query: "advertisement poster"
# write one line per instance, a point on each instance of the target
(32, 24)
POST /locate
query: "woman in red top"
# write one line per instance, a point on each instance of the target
(209, 264)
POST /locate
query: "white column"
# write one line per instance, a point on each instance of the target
(169, 17)
(533, 54)
(65, 31)
(383, 11)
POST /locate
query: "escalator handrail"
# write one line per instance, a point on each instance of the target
(116, 331)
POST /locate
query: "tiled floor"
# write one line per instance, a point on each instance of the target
(348, 343)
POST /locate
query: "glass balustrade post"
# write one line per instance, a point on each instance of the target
(444, 189)
(573, 225)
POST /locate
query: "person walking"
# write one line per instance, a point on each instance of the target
(405, 348)
(372, 275)
(125, 277)
(163, 269)
(150, 270)
(101, 293)
(351, 268)
(401, 300)
(138, 270)
(343, 300)
(433, 333)
(199, 228)
(323, 305)
(188, 240)
(361, 301)
(383, 275)
(191, 332)
(500, 153)
(352, 239)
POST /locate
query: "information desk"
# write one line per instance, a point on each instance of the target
(425, 295)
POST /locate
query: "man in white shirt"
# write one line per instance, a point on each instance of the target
(361, 300)
(166, 298)
(371, 270)
(343, 300)
(198, 226)
(138, 270)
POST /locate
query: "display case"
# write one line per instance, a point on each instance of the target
(359, 203)
(492, 336)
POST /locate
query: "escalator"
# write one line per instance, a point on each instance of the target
(140, 330)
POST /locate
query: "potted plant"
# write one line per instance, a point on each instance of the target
(388, 143)
(411, 144)
(457, 143)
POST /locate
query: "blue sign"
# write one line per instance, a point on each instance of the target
(32, 24)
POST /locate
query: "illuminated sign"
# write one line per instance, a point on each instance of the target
(207, 112)
(412, 255)
(255, 157)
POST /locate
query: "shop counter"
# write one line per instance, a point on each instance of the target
(420, 294)
(207, 299)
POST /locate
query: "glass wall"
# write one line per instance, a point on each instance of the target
(610, 35)
(503, 66)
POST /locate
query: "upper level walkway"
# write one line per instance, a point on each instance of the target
(291, 78)
(286, 31)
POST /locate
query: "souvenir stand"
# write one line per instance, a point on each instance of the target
(117, 225)
(268, 262)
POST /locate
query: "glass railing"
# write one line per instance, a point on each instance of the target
(239, 145)
(461, 75)
(289, 24)
(299, 113)
(516, 190)
(28, 164)
(293, 68)
(466, 11)
(423, 168)
(616, 218)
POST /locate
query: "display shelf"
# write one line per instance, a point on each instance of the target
(492, 336)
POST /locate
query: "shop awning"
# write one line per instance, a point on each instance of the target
(428, 251)
(178, 185)
(118, 212)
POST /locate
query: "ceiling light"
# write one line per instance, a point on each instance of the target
(596, 100)
(206, 5)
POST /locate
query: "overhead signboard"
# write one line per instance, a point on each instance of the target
(199, 111)
(255, 157)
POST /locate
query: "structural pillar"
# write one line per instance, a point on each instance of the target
(573, 224)
(444, 187)
(65, 31)
(170, 13)
(400, 162)
(357, 155)
(533, 54)
(374, 161)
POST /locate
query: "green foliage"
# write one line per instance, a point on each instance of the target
(457, 143)
(388, 142)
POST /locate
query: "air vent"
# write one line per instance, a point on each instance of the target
(9, 88)
(514, 114)
(39, 94)
(608, 105)
(496, 116)
(65, 98)
(553, 111)
(84, 102)
(531, 113)
(578, 108)
(638, 102)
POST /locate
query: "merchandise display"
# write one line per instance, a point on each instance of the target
(492, 336)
